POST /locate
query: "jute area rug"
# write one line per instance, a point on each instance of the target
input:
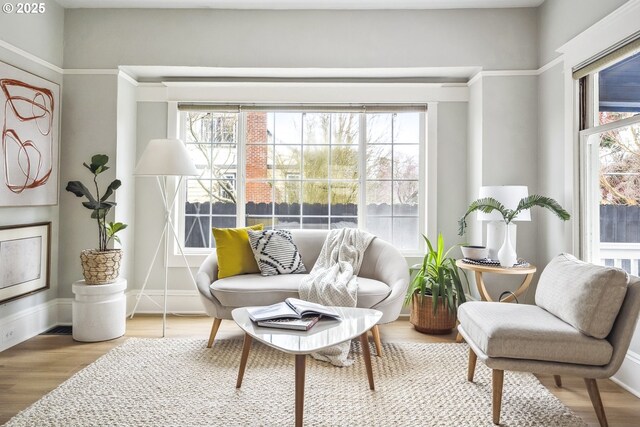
(179, 382)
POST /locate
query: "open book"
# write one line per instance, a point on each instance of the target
(291, 308)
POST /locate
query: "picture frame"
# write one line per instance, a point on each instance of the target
(29, 142)
(25, 260)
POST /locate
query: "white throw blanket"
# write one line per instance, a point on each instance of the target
(333, 281)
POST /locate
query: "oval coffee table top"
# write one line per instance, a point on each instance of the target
(325, 333)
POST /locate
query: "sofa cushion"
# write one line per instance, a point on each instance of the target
(584, 295)
(254, 289)
(234, 251)
(521, 331)
(275, 252)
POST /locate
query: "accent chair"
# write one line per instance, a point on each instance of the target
(582, 324)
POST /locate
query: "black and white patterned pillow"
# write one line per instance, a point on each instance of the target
(275, 252)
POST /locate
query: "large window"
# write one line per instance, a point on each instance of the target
(312, 169)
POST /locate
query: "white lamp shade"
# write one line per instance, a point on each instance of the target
(165, 157)
(509, 196)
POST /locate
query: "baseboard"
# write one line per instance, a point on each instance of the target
(628, 376)
(65, 311)
(28, 323)
(152, 302)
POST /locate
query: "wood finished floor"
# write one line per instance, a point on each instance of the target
(33, 368)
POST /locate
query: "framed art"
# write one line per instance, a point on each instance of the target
(29, 115)
(25, 253)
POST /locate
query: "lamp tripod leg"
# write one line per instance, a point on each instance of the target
(146, 279)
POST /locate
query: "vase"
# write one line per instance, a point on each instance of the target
(507, 254)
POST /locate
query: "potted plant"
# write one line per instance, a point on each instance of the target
(507, 254)
(100, 266)
(435, 292)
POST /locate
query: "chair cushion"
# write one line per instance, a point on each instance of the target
(521, 331)
(584, 295)
(234, 251)
(254, 289)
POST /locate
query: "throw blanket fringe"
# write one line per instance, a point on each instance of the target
(333, 281)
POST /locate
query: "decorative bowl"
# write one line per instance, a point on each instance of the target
(474, 252)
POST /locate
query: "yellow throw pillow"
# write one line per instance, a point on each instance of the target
(234, 251)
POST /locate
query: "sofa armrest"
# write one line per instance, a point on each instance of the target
(385, 263)
(207, 274)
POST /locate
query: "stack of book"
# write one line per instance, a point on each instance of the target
(292, 313)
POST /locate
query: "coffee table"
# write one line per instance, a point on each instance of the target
(356, 322)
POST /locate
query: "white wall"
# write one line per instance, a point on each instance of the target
(88, 128)
(493, 38)
(561, 20)
(105, 39)
(452, 169)
(43, 39)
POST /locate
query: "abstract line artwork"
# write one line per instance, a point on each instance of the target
(29, 152)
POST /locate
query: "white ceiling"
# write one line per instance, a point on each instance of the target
(300, 4)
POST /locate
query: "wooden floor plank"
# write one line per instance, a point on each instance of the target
(35, 367)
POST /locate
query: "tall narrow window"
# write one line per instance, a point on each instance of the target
(612, 167)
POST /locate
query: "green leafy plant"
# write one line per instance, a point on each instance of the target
(438, 277)
(489, 204)
(99, 205)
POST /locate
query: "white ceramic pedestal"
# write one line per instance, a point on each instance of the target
(99, 311)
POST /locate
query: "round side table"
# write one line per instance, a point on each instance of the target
(482, 289)
(99, 311)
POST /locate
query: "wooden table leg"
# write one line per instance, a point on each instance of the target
(366, 353)
(521, 289)
(482, 289)
(243, 360)
(375, 331)
(301, 360)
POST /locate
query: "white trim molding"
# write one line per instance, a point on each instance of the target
(31, 57)
(28, 323)
(297, 92)
(178, 302)
(627, 376)
(618, 25)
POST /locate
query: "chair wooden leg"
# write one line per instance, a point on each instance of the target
(375, 331)
(596, 401)
(497, 381)
(558, 380)
(472, 365)
(214, 331)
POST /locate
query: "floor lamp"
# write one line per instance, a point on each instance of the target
(161, 159)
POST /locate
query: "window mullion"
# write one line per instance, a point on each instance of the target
(241, 148)
(362, 166)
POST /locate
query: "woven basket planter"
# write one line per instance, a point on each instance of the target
(423, 319)
(100, 267)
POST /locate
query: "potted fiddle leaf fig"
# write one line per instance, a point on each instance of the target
(102, 265)
(436, 291)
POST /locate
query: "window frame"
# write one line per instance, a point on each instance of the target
(588, 149)
(427, 214)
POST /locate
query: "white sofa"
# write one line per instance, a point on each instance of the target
(382, 282)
